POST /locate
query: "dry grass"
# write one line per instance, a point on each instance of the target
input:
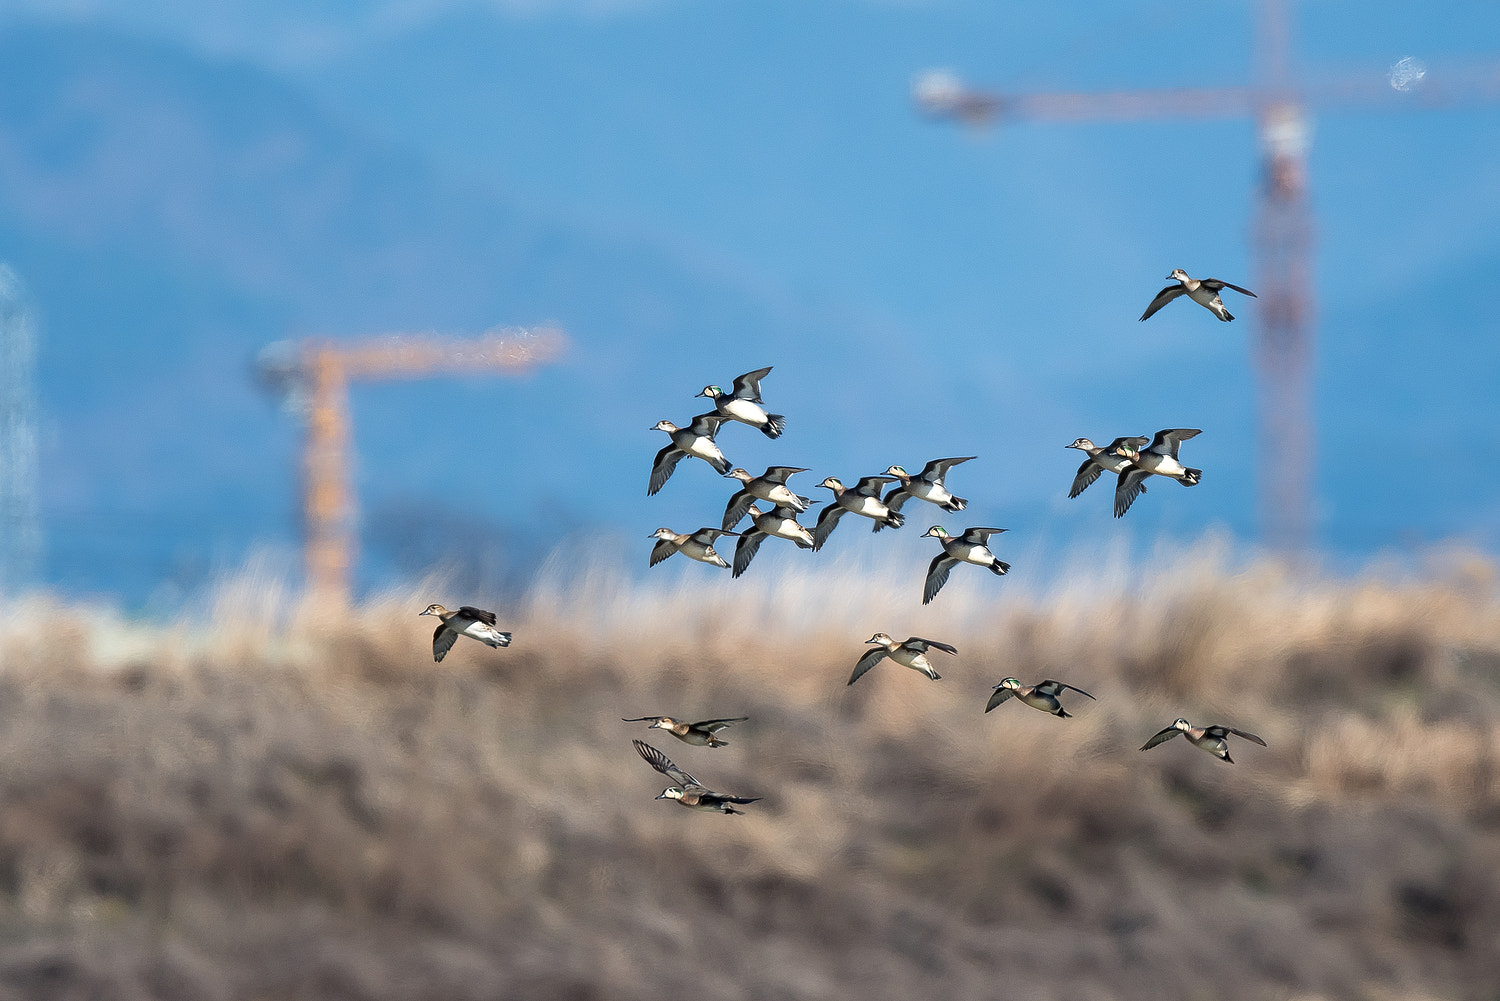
(274, 807)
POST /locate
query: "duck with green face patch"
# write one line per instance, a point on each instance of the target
(780, 522)
(697, 546)
(1043, 696)
(770, 487)
(1157, 459)
(912, 653)
(744, 404)
(863, 499)
(689, 791)
(1211, 738)
(1203, 291)
(970, 547)
(926, 485)
(697, 439)
(1116, 457)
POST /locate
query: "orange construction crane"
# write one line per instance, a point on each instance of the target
(317, 373)
(1283, 230)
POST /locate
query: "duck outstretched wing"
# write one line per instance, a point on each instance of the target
(477, 614)
(869, 486)
(780, 474)
(1055, 688)
(999, 695)
(935, 470)
(1168, 439)
(661, 551)
(1163, 735)
(1132, 484)
(442, 642)
(1223, 731)
(661, 470)
(663, 764)
(980, 536)
(1087, 474)
(919, 644)
(737, 508)
(1163, 297)
(747, 386)
(712, 725)
(869, 660)
(1219, 285)
(828, 520)
(937, 575)
(748, 546)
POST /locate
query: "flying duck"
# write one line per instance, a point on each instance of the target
(743, 404)
(695, 439)
(1203, 291)
(689, 791)
(926, 485)
(703, 733)
(780, 522)
(912, 654)
(1116, 457)
(862, 499)
(1159, 458)
(1210, 738)
(769, 486)
(469, 621)
(970, 547)
(1043, 696)
(697, 546)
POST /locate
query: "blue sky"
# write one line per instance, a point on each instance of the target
(696, 189)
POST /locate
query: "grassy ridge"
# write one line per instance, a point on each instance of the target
(308, 809)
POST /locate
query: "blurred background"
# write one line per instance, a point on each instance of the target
(925, 217)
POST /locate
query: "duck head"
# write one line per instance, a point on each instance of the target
(664, 723)
(1181, 724)
(662, 533)
(666, 426)
(898, 472)
(936, 532)
(671, 792)
(1082, 443)
(433, 609)
(832, 483)
(712, 392)
(1011, 683)
(880, 638)
(742, 475)
(1180, 275)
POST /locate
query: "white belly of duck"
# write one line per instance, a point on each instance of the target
(913, 659)
(870, 507)
(743, 410)
(485, 634)
(703, 448)
(701, 553)
(930, 492)
(978, 555)
(784, 528)
(778, 494)
(1161, 465)
(1112, 462)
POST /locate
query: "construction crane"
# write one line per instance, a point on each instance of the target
(1282, 232)
(315, 375)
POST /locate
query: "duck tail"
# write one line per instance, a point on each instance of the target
(775, 424)
(714, 741)
(956, 504)
(721, 465)
(999, 568)
(1191, 477)
(1226, 316)
(895, 520)
(935, 676)
(502, 639)
(1227, 758)
(1062, 713)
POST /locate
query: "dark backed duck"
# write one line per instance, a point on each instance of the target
(770, 487)
(1210, 738)
(1044, 695)
(862, 499)
(1203, 291)
(1157, 459)
(689, 791)
(695, 439)
(969, 547)
(1116, 457)
(744, 404)
(469, 621)
(698, 545)
(926, 485)
(912, 653)
(704, 733)
(780, 522)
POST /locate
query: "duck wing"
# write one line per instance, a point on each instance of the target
(707, 425)
(662, 550)
(1087, 474)
(661, 470)
(828, 520)
(747, 386)
(664, 764)
(706, 536)
(779, 474)
(477, 614)
(643, 719)
(935, 470)
(979, 536)
(1161, 736)
(920, 645)
(869, 660)
(749, 545)
(999, 695)
(1167, 440)
(1131, 485)
(1223, 731)
(1163, 297)
(442, 642)
(896, 498)
(937, 575)
(1055, 688)
(1119, 443)
(1218, 285)
(717, 724)
(737, 508)
(869, 486)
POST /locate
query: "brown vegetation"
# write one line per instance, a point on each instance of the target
(233, 809)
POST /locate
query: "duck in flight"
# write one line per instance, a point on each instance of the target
(969, 547)
(926, 485)
(689, 791)
(466, 620)
(862, 499)
(912, 653)
(780, 522)
(770, 487)
(743, 403)
(1043, 696)
(1203, 291)
(1210, 738)
(695, 439)
(1157, 459)
(1116, 457)
(704, 733)
(698, 545)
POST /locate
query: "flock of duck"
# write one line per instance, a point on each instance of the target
(1133, 459)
